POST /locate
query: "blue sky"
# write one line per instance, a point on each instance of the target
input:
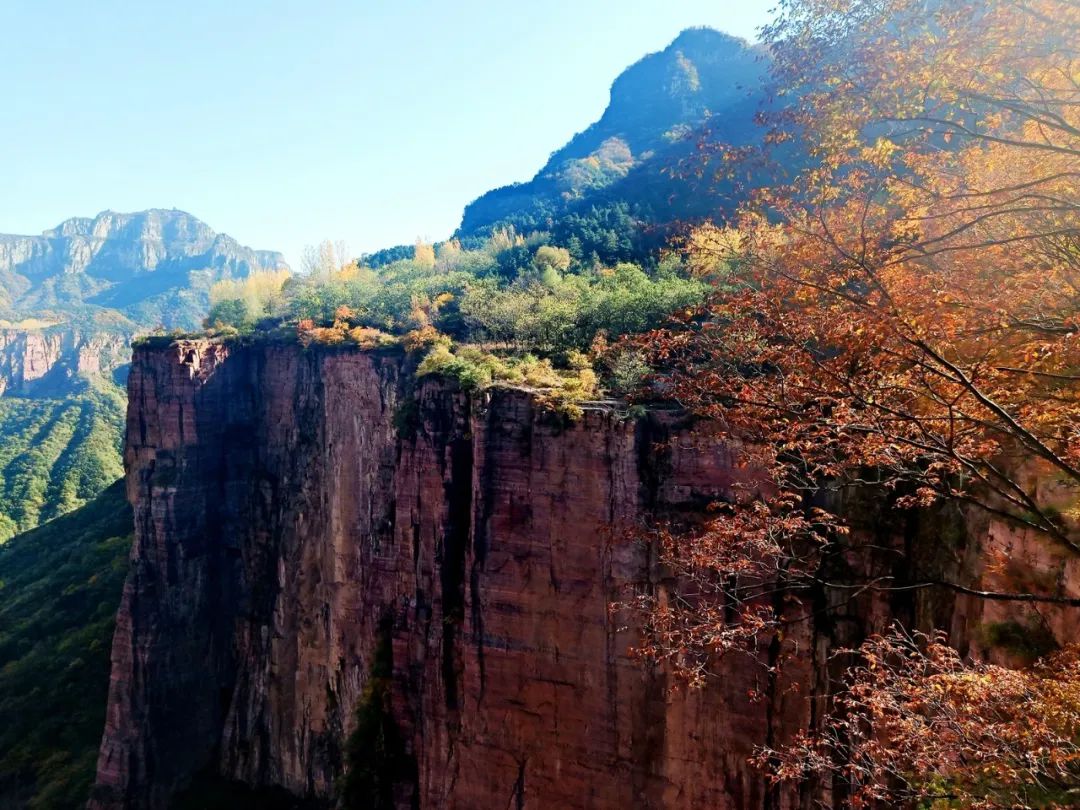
(283, 123)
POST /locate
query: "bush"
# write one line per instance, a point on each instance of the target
(470, 375)
(474, 369)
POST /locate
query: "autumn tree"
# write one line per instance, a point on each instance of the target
(324, 260)
(424, 254)
(549, 261)
(915, 724)
(238, 302)
(904, 313)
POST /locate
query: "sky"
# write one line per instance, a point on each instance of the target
(283, 123)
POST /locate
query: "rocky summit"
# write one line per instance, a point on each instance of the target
(150, 268)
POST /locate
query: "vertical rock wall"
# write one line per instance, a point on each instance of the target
(300, 512)
(48, 361)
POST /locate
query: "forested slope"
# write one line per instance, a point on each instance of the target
(59, 588)
(57, 454)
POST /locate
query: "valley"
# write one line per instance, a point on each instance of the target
(731, 459)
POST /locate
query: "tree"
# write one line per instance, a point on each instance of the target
(424, 254)
(324, 261)
(235, 302)
(549, 258)
(449, 255)
(902, 313)
(230, 312)
(921, 725)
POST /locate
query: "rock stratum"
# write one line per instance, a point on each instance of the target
(302, 514)
(36, 362)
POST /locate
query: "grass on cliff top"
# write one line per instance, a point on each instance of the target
(57, 454)
(59, 590)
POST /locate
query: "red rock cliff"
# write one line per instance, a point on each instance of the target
(48, 361)
(296, 509)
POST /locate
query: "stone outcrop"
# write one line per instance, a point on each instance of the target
(301, 512)
(51, 361)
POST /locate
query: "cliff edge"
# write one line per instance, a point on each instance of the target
(314, 525)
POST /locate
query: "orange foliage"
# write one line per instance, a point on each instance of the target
(422, 338)
(915, 724)
(341, 331)
(907, 310)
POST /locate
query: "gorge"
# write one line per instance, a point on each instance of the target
(731, 461)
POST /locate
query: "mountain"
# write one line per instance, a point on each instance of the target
(59, 587)
(658, 109)
(56, 359)
(321, 587)
(71, 300)
(57, 453)
(146, 269)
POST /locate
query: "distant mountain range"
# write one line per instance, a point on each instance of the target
(70, 302)
(704, 84)
(144, 269)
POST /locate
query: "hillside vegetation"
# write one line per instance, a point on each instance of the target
(57, 454)
(59, 589)
(515, 309)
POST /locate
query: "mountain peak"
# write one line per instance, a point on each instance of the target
(154, 266)
(701, 37)
(654, 104)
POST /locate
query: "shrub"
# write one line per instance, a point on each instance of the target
(627, 372)
(440, 360)
(368, 338)
(1028, 641)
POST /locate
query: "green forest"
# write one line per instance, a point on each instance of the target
(59, 588)
(528, 309)
(57, 454)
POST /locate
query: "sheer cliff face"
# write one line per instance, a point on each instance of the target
(50, 361)
(293, 509)
(300, 513)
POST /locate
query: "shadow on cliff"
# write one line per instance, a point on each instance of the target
(209, 791)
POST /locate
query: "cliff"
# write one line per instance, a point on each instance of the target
(36, 362)
(305, 517)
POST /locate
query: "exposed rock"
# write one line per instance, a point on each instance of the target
(153, 266)
(295, 507)
(50, 361)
